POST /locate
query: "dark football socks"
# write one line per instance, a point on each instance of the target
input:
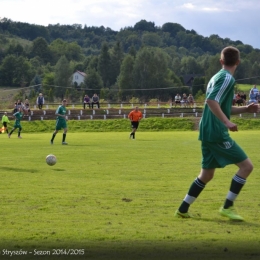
(195, 189)
(237, 184)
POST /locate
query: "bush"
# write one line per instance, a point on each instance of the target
(134, 100)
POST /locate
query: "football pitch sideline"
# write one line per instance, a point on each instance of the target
(109, 197)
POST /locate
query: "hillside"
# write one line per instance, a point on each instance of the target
(143, 62)
(143, 32)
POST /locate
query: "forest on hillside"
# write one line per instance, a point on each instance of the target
(143, 61)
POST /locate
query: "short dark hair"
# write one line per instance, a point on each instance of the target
(230, 56)
(64, 100)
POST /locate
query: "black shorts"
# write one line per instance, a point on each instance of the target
(5, 124)
(135, 124)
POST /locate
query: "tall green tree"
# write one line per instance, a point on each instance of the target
(41, 49)
(93, 63)
(151, 39)
(150, 72)
(15, 71)
(24, 73)
(117, 56)
(62, 76)
(125, 79)
(189, 65)
(104, 63)
(74, 52)
(8, 70)
(214, 67)
(58, 48)
(132, 51)
(93, 82)
(16, 49)
(143, 25)
(172, 28)
(48, 82)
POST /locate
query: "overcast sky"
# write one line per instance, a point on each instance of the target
(236, 20)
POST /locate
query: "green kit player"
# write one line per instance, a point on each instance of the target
(17, 124)
(61, 122)
(218, 149)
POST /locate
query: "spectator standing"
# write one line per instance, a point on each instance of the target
(135, 116)
(255, 90)
(40, 101)
(86, 101)
(5, 121)
(252, 97)
(95, 100)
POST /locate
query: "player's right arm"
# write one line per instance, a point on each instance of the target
(217, 111)
(130, 116)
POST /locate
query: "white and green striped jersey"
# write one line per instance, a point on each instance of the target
(221, 89)
(62, 111)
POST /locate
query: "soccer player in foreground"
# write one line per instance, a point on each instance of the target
(61, 122)
(218, 149)
(135, 116)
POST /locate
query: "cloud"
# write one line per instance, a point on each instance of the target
(188, 6)
(237, 20)
(207, 7)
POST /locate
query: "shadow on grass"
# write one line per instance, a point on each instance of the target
(58, 170)
(222, 221)
(16, 169)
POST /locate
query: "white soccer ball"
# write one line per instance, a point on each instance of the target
(51, 159)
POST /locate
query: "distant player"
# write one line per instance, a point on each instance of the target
(5, 121)
(17, 124)
(135, 116)
(61, 122)
(218, 148)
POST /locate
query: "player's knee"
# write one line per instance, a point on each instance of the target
(250, 167)
(246, 169)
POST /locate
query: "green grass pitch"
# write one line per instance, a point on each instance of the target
(109, 197)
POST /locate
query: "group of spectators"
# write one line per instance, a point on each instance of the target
(240, 98)
(26, 105)
(91, 101)
(184, 100)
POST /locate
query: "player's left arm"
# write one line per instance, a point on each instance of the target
(130, 116)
